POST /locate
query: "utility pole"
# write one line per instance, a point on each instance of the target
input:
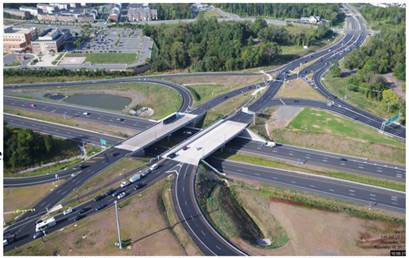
(117, 224)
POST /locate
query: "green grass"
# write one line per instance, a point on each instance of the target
(15, 63)
(310, 120)
(107, 58)
(204, 92)
(339, 87)
(32, 79)
(225, 108)
(46, 170)
(350, 176)
(92, 149)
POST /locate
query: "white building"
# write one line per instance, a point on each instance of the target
(46, 8)
(32, 10)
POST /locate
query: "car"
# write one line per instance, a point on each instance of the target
(115, 154)
(172, 155)
(85, 113)
(78, 217)
(124, 184)
(67, 211)
(100, 197)
(343, 159)
(121, 195)
(185, 148)
(33, 105)
(5, 242)
(120, 119)
(82, 166)
(138, 186)
(110, 192)
(100, 206)
(153, 167)
(38, 234)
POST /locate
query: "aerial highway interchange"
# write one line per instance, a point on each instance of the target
(201, 231)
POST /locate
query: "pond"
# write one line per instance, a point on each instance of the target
(104, 101)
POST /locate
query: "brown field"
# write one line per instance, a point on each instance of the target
(24, 197)
(143, 223)
(299, 88)
(317, 232)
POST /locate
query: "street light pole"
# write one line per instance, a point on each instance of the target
(117, 225)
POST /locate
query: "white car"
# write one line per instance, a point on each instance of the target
(85, 113)
(124, 184)
(270, 144)
(121, 195)
(67, 211)
(153, 167)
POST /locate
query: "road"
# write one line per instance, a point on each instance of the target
(25, 227)
(204, 235)
(340, 189)
(211, 242)
(280, 151)
(187, 99)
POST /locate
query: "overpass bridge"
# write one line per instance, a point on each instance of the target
(168, 125)
(204, 143)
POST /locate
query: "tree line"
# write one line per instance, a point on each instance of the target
(329, 12)
(173, 11)
(209, 45)
(64, 72)
(24, 148)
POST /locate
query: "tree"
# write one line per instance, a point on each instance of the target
(390, 100)
(335, 70)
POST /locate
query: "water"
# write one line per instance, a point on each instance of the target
(104, 101)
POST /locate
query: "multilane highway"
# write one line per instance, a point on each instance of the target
(212, 242)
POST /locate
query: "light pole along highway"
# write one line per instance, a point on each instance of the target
(213, 243)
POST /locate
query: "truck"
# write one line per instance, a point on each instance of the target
(270, 144)
(135, 178)
(43, 224)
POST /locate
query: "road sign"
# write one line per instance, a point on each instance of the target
(392, 119)
(102, 141)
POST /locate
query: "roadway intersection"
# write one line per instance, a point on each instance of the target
(205, 236)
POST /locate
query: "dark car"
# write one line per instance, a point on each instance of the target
(38, 234)
(115, 154)
(172, 155)
(100, 206)
(110, 191)
(138, 186)
(84, 210)
(82, 166)
(100, 197)
(78, 217)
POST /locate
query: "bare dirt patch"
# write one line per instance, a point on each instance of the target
(299, 88)
(72, 60)
(315, 232)
(142, 223)
(282, 116)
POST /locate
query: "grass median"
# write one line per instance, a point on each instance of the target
(350, 176)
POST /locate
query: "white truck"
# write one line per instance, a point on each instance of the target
(135, 178)
(43, 224)
(270, 144)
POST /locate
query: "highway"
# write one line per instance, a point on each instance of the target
(285, 152)
(318, 158)
(204, 235)
(340, 189)
(24, 229)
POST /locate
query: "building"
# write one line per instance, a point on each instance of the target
(17, 13)
(115, 13)
(46, 8)
(17, 40)
(139, 13)
(50, 42)
(86, 18)
(32, 10)
(311, 19)
(61, 6)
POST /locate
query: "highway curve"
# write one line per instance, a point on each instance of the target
(205, 236)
